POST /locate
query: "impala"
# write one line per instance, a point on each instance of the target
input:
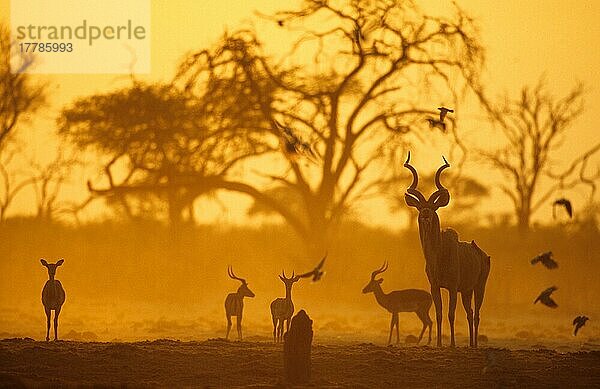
(282, 309)
(53, 296)
(234, 303)
(407, 300)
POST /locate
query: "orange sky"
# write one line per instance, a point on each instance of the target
(523, 41)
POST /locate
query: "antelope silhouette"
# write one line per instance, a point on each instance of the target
(53, 296)
(282, 309)
(407, 300)
(449, 263)
(234, 303)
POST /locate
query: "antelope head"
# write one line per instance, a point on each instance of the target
(427, 208)
(288, 281)
(243, 290)
(51, 267)
(374, 283)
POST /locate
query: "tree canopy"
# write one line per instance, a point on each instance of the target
(358, 81)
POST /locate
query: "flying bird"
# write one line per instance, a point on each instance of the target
(545, 298)
(294, 146)
(280, 23)
(564, 203)
(579, 322)
(316, 273)
(443, 112)
(546, 260)
(435, 123)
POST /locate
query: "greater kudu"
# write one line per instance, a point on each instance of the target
(449, 263)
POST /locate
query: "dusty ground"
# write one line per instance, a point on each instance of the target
(217, 363)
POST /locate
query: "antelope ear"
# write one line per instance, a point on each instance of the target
(439, 199)
(412, 201)
(43, 261)
(380, 280)
(60, 262)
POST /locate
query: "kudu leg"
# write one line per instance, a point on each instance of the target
(239, 327)
(56, 313)
(48, 313)
(228, 327)
(275, 330)
(436, 295)
(453, 294)
(280, 330)
(430, 324)
(466, 301)
(478, 301)
(391, 330)
(397, 328)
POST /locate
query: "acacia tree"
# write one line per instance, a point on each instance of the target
(376, 66)
(534, 126)
(157, 146)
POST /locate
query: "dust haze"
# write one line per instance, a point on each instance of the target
(181, 282)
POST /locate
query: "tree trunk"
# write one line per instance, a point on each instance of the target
(523, 221)
(176, 204)
(317, 241)
(296, 349)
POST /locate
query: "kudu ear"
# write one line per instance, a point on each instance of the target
(60, 262)
(380, 280)
(43, 261)
(412, 201)
(439, 199)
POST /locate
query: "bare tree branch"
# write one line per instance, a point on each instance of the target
(532, 125)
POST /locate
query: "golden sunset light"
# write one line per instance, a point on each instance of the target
(335, 172)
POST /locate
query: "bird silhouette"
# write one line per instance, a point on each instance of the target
(434, 123)
(564, 203)
(546, 260)
(579, 322)
(317, 276)
(295, 147)
(280, 23)
(316, 273)
(545, 298)
(443, 112)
